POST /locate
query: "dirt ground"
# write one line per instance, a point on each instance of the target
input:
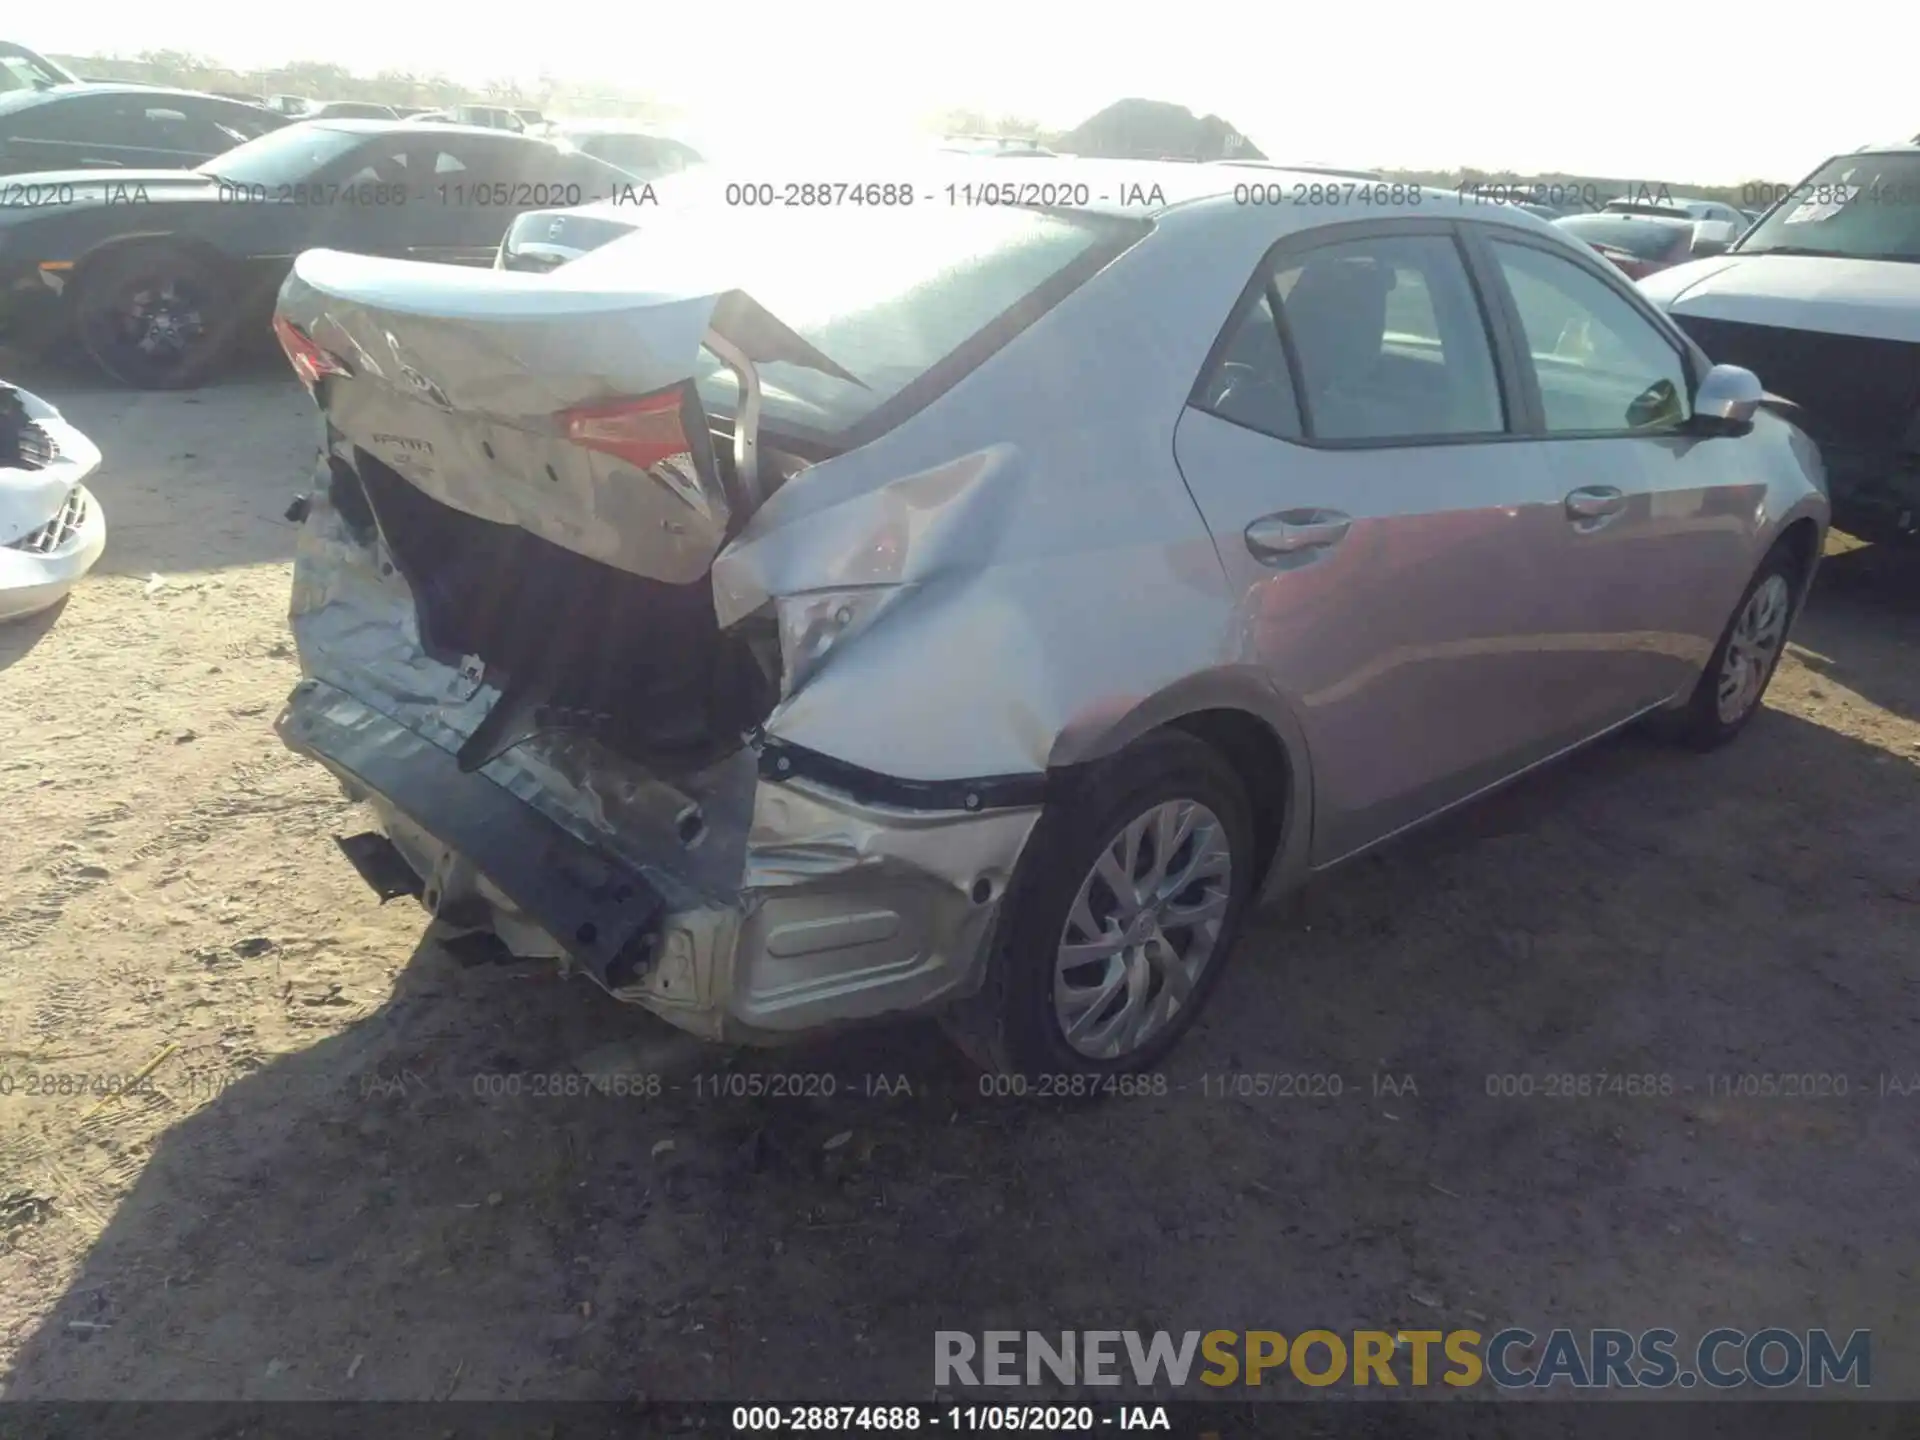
(330, 1193)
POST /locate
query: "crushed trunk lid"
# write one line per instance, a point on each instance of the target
(564, 408)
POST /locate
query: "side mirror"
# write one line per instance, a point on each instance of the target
(1712, 237)
(1727, 398)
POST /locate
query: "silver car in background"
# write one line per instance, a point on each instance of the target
(796, 617)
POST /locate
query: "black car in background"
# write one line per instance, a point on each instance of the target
(632, 148)
(88, 127)
(159, 273)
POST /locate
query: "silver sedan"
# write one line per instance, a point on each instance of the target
(970, 602)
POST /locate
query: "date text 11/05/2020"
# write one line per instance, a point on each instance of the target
(368, 194)
(477, 194)
(959, 1419)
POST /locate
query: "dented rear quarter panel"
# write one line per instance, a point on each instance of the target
(1077, 510)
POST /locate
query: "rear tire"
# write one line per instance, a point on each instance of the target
(1732, 686)
(1083, 980)
(155, 317)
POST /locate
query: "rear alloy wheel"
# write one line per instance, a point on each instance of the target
(1119, 921)
(1142, 929)
(156, 318)
(1730, 688)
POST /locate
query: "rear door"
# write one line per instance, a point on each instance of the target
(1359, 448)
(182, 132)
(1658, 520)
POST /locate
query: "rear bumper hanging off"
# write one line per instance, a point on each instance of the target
(602, 911)
(844, 908)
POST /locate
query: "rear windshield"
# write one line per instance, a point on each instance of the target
(888, 293)
(289, 154)
(1858, 207)
(1644, 239)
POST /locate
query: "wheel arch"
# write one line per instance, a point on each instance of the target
(118, 245)
(1802, 537)
(1238, 712)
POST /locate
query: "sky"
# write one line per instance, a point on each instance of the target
(1713, 93)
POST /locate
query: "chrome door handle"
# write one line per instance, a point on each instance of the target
(1291, 531)
(1595, 502)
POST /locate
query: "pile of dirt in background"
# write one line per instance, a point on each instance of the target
(1156, 130)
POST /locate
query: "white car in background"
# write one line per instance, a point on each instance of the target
(1821, 300)
(51, 528)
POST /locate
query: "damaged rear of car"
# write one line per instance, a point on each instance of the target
(582, 547)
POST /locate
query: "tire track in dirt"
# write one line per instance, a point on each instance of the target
(69, 876)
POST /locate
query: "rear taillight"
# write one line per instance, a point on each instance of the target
(310, 362)
(642, 432)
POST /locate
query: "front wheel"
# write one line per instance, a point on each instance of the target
(1119, 920)
(1730, 688)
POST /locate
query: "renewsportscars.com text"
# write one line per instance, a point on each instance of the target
(1602, 1359)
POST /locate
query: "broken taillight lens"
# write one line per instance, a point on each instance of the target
(310, 362)
(642, 432)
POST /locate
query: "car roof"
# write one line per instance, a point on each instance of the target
(24, 99)
(405, 126)
(1639, 217)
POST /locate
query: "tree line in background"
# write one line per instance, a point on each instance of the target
(1135, 128)
(317, 80)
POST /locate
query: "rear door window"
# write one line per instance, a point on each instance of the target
(1390, 341)
(243, 122)
(186, 133)
(87, 119)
